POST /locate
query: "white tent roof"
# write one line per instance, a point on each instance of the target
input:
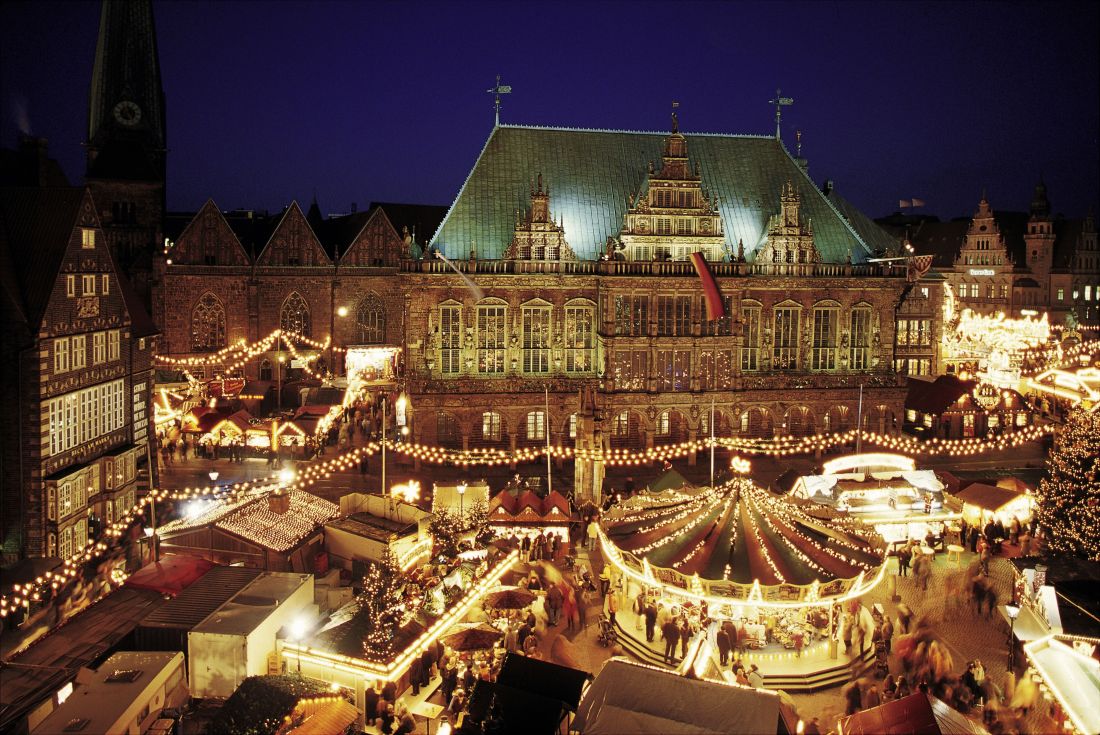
(631, 698)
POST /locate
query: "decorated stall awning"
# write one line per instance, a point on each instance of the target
(1072, 678)
(738, 541)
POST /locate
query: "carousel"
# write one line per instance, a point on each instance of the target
(785, 586)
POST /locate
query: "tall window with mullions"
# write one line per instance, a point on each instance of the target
(450, 338)
(490, 339)
(536, 339)
(861, 339)
(785, 349)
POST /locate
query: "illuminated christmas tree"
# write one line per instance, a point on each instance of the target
(1069, 499)
(380, 607)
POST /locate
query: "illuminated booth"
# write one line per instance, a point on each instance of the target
(735, 552)
(883, 490)
(984, 503)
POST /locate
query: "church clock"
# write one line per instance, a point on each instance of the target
(127, 113)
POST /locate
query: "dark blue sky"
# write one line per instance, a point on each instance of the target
(386, 101)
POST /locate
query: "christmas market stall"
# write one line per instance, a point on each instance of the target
(629, 697)
(952, 408)
(1068, 675)
(527, 514)
(395, 618)
(881, 490)
(274, 531)
(371, 525)
(983, 504)
(787, 583)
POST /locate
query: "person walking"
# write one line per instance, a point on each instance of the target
(593, 533)
(887, 633)
(671, 633)
(651, 621)
(685, 636)
(612, 608)
(905, 553)
(722, 640)
(525, 547)
(554, 601)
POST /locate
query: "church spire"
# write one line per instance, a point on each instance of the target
(126, 103)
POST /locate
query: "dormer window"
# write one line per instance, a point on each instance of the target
(87, 238)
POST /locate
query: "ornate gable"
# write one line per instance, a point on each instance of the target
(790, 241)
(674, 216)
(376, 244)
(208, 240)
(86, 293)
(293, 243)
(984, 245)
(537, 236)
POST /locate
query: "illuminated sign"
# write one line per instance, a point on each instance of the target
(982, 272)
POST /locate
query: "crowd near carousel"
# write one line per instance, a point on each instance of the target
(775, 591)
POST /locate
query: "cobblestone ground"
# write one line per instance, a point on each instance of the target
(966, 634)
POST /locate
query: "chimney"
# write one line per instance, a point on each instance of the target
(35, 159)
(278, 502)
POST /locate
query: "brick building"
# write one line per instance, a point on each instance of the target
(1016, 263)
(576, 246)
(77, 360)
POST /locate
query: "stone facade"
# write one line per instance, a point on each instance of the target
(82, 352)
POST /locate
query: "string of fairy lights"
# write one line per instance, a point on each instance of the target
(25, 594)
(233, 357)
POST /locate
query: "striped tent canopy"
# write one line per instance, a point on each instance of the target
(741, 533)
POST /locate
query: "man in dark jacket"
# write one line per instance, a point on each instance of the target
(671, 632)
(553, 603)
(650, 621)
(416, 674)
(722, 639)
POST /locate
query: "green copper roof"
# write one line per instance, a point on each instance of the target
(591, 172)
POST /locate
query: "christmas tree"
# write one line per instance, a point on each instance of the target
(1069, 498)
(380, 607)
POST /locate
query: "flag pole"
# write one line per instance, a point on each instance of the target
(859, 422)
(712, 441)
(549, 475)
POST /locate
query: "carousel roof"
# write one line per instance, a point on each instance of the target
(738, 532)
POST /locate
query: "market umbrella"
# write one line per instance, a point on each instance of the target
(472, 637)
(509, 598)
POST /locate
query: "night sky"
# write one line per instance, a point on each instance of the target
(269, 102)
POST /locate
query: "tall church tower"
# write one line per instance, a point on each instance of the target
(1039, 241)
(127, 140)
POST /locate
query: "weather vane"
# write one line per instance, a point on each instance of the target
(779, 102)
(497, 91)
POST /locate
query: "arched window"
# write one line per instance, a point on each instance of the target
(207, 324)
(491, 426)
(447, 432)
(370, 318)
(295, 315)
(265, 370)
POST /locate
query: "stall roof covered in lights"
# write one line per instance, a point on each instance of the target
(264, 530)
(737, 542)
(1073, 679)
(878, 488)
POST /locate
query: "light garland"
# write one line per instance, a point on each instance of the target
(395, 669)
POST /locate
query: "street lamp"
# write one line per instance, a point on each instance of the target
(298, 630)
(1013, 611)
(279, 388)
(461, 496)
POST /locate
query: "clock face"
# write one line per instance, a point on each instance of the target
(127, 113)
